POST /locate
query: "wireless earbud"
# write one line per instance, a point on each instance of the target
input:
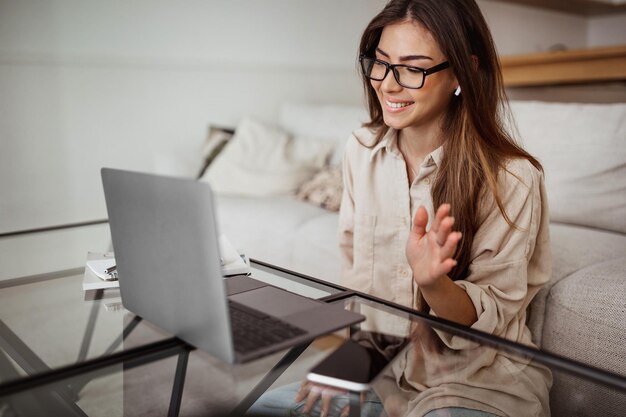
(457, 92)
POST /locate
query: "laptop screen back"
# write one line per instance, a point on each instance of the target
(166, 249)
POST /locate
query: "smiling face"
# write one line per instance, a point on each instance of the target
(409, 43)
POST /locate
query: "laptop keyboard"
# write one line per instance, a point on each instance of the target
(253, 330)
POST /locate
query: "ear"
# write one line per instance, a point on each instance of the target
(456, 86)
(475, 65)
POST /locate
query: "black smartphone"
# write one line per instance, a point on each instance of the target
(358, 361)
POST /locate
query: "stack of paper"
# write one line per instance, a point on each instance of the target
(94, 270)
(95, 278)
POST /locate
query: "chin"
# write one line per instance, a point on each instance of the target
(394, 122)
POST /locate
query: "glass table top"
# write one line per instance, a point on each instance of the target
(425, 374)
(65, 351)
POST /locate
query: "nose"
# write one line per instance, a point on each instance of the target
(389, 83)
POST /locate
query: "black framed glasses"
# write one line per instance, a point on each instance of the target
(406, 75)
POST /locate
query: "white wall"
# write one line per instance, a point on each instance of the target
(519, 29)
(135, 84)
(607, 30)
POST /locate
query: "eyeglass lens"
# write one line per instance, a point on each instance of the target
(405, 76)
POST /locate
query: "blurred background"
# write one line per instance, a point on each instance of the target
(135, 84)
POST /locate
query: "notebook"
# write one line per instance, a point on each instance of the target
(165, 240)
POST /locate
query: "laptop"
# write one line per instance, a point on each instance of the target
(165, 240)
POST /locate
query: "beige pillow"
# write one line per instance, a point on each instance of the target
(324, 189)
(215, 142)
(262, 160)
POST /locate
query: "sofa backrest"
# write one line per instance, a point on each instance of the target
(583, 151)
(581, 146)
(324, 122)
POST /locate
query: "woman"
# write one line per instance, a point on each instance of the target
(436, 140)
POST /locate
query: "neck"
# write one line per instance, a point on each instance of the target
(417, 142)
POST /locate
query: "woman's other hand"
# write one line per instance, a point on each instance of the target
(311, 393)
(430, 253)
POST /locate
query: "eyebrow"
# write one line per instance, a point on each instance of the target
(404, 58)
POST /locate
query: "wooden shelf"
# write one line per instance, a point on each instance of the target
(565, 67)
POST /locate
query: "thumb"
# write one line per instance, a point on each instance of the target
(420, 221)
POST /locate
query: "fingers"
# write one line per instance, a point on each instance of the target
(345, 411)
(314, 395)
(420, 221)
(441, 225)
(449, 247)
(444, 267)
(442, 212)
(326, 397)
(445, 227)
(302, 392)
(431, 254)
(442, 260)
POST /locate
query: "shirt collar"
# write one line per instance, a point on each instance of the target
(434, 158)
(389, 142)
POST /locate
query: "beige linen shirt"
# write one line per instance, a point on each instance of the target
(509, 266)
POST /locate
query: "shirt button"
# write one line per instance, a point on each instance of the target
(427, 181)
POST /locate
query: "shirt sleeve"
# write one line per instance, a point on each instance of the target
(500, 284)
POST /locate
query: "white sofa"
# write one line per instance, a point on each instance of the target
(581, 312)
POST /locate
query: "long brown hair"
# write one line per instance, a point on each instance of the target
(477, 145)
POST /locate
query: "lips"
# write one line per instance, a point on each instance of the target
(396, 106)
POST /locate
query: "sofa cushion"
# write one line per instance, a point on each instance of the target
(264, 227)
(584, 320)
(573, 248)
(316, 248)
(581, 147)
(585, 316)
